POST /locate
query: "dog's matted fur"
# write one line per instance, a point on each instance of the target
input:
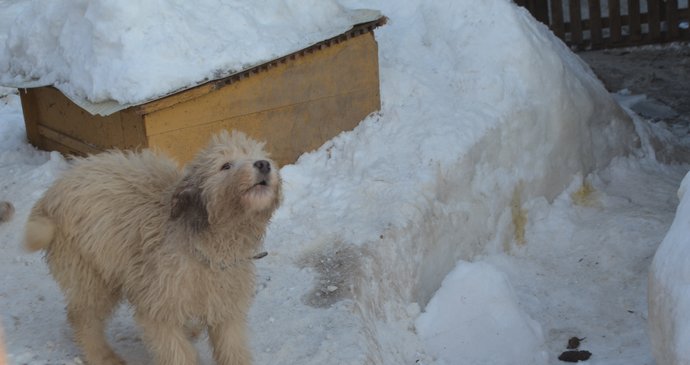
(177, 245)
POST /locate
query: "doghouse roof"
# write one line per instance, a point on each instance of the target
(362, 21)
(211, 85)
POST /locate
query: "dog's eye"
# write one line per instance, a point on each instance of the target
(226, 166)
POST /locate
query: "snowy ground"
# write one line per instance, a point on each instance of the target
(499, 172)
(581, 272)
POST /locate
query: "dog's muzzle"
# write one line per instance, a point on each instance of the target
(263, 166)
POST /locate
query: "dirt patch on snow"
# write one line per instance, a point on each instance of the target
(662, 72)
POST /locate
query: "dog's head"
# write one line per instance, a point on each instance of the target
(232, 177)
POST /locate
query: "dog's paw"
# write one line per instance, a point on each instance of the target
(6, 211)
(109, 359)
(114, 361)
(193, 329)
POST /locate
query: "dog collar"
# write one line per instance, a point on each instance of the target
(223, 265)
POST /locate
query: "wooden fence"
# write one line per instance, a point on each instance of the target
(595, 24)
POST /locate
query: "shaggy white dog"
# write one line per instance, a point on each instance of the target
(178, 246)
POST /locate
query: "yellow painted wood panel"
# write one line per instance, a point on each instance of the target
(289, 131)
(341, 68)
(50, 116)
(58, 113)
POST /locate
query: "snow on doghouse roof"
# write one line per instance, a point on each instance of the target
(107, 55)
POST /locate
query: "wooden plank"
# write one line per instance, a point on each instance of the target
(683, 15)
(68, 145)
(50, 145)
(575, 23)
(654, 20)
(133, 129)
(672, 19)
(615, 20)
(289, 130)
(540, 10)
(595, 22)
(341, 68)
(634, 25)
(31, 115)
(557, 26)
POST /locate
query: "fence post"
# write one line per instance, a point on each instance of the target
(541, 10)
(615, 20)
(595, 22)
(575, 22)
(672, 19)
(538, 8)
(635, 28)
(653, 20)
(557, 19)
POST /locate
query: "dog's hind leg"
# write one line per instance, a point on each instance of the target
(88, 313)
(230, 343)
(90, 303)
(168, 341)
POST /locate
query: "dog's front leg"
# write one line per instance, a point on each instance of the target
(168, 342)
(229, 342)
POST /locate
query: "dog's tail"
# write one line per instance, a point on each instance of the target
(39, 233)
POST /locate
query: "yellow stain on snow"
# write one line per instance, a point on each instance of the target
(519, 215)
(585, 196)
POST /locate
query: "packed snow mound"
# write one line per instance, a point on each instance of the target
(114, 50)
(669, 289)
(483, 111)
(475, 318)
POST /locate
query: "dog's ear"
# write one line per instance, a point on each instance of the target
(188, 204)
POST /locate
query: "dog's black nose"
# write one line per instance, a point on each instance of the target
(263, 166)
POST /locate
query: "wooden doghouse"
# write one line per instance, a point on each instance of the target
(294, 103)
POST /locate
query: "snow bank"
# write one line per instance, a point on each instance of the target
(483, 109)
(115, 50)
(475, 318)
(669, 289)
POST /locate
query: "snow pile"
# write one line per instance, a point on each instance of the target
(115, 50)
(483, 110)
(475, 318)
(669, 288)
